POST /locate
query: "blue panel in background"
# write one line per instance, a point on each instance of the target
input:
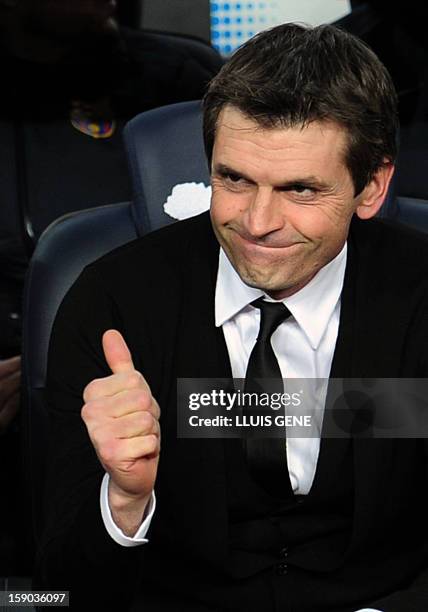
(232, 23)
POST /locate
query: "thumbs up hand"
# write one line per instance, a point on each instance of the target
(122, 419)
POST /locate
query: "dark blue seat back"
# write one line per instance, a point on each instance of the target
(412, 212)
(406, 210)
(165, 148)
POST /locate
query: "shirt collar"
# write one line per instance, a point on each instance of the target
(311, 307)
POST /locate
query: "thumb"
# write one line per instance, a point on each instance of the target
(116, 352)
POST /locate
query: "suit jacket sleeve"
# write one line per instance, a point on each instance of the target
(76, 552)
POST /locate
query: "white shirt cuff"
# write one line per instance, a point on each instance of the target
(113, 530)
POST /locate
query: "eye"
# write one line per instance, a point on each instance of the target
(234, 182)
(233, 178)
(301, 192)
(301, 188)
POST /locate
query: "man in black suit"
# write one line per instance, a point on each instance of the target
(299, 129)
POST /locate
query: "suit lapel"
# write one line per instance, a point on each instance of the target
(202, 353)
(333, 450)
(359, 352)
(364, 349)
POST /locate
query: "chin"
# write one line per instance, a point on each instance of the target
(261, 281)
(278, 288)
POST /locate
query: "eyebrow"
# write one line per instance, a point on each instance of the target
(307, 181)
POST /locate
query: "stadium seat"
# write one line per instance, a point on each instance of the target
(413, 212)
(406, 210)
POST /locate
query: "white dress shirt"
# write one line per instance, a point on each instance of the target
(303, 344)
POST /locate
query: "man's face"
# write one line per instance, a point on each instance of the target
(68, 18)
(282, 199)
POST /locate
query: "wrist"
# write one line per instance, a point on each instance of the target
(127, 510)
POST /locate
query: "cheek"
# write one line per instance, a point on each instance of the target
(225, 206)
(316, 223)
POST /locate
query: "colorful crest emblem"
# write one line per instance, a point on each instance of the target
(84, 118)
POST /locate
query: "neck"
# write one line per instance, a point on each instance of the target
(281, 294)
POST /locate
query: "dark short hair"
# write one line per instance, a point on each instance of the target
(293, 74)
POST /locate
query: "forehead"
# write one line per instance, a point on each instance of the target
(318, 147)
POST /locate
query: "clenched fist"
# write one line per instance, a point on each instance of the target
(122, 419)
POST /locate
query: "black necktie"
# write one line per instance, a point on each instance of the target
(267, 457)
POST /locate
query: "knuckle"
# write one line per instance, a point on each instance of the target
(143, 399)
(134, 379)
(146, 419)
(151, 443)
(93, 390)
(90, 412)
(90, 390)
(100, 437)
(86, 412)
(109, 451)
(138, 398)
(156, 409)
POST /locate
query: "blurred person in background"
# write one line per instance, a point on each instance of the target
(71, 78)
(397, 34)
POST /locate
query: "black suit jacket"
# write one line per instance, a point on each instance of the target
(159, 291)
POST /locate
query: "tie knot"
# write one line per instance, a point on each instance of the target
(272, 314)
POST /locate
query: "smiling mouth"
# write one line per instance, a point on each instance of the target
(246, 239)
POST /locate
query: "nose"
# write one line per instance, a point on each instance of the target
(263, 216)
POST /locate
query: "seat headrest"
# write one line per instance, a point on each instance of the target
(165, 149)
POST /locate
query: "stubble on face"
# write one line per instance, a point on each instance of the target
(285, 211)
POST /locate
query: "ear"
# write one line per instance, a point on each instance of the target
(373, 195)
